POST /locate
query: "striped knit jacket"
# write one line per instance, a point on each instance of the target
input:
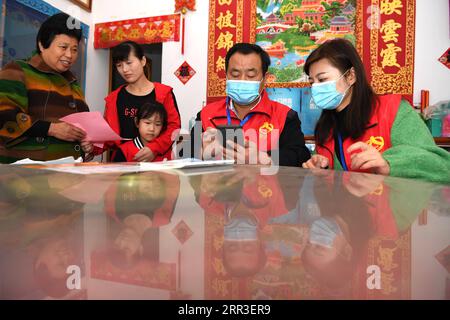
(32, 96)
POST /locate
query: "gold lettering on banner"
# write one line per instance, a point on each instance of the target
(389, 29)
(222, 2)
(394, 259)
(387, 287)
(220, 287)
(105, 34)
(224, 21)
(218, 267)
(120, 34)
(167, 30)
(218, 242)
(390, 7)
(389, 55)
(396, 81)
(150, 33)
(135, 33)
(220, 64)
(386, 259)
(224, 41)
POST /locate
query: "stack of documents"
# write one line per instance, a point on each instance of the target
(66, 160)
(99, 168)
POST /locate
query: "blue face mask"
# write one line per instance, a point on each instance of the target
(323, 232)
(326, 96)
(243, 92)
(241, 229)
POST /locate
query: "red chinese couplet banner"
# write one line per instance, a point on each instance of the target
(145, 273)
(385, 40)
(393, 259)
(230, 22)
(144, 30)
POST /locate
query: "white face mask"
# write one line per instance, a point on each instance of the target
(323, 232)
(241, 229)
(243, 92)
(325, 94)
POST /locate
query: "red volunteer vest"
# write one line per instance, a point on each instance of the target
(265, 124)
(377, 135)
(264, 198)
(379, 207)
(111, 116)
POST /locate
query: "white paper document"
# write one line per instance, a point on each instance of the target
(187, 163)
(103, 168)
(65, 160)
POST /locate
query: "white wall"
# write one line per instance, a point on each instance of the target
(72, 9)
(190, 96)
(191, 279)
(432, 39)
(428, 276)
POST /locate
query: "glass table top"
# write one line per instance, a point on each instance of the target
(230, 233)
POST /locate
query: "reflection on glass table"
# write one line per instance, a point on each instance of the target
(227, 234)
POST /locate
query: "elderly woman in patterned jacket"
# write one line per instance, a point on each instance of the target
(36, 93)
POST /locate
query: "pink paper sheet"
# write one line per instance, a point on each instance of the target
(97, 129)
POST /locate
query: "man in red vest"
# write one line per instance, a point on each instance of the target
(272, 132)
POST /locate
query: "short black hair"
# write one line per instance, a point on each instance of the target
(122, 51)
(248, 48)
(55, 25)
(147, 110)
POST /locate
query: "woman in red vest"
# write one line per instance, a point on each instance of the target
(360, 131)
(123, 104)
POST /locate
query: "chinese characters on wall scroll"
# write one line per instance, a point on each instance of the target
(230, 22)
(385, 41)
(144, 31)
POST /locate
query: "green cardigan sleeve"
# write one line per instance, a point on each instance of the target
(408, 200)
(413, 153)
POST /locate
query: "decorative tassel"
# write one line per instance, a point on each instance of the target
(183, 6)
(182, 33)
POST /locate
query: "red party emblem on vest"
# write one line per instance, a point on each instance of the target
(378, 191)
(265, 191)
(265, 128)
(376, 142)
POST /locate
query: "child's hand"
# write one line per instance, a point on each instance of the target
(144, 155)
(87, 146)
